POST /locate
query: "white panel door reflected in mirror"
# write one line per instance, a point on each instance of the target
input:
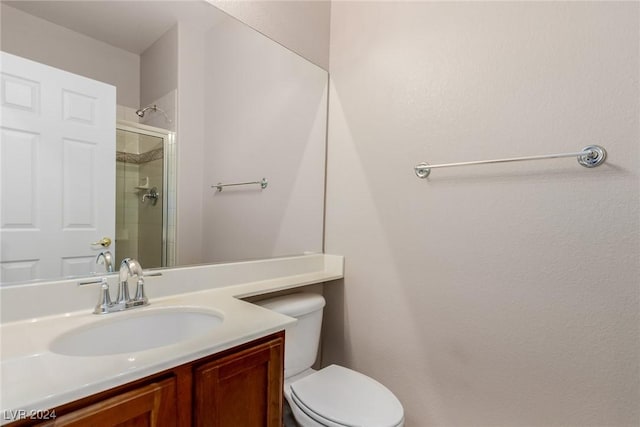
(58, 149)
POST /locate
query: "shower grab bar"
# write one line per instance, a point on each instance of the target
(263, 184)
(590, 157)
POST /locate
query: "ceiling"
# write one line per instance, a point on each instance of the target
(129, 25)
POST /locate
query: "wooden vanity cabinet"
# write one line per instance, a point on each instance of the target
(239, 387)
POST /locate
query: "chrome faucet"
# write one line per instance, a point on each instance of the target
(151, 195)
(107, 260)
(128, 267)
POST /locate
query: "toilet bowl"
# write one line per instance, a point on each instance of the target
(334, 396)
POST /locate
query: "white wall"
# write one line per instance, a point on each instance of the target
(159, 68)
(300, 25)
(265, 117)
(247, 108)
(502, 295)
(39, 40)
(191, 122)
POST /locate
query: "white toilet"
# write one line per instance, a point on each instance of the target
(333, 396)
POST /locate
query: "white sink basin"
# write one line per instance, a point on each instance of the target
(136, 331)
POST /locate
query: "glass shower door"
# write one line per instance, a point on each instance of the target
(140, 187)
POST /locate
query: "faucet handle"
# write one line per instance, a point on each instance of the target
(104, 303)
(141, 298)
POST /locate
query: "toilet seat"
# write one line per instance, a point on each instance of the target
(339, 397)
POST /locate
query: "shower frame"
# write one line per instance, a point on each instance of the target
(168, 178)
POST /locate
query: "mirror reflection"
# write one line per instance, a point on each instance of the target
(200, 99)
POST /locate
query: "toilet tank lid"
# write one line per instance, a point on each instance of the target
(293, 305)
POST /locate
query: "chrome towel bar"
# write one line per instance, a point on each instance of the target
(263, 184)
(590, 157)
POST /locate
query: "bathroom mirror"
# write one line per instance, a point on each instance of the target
(239, 107)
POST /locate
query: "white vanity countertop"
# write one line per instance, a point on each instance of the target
(34, 378)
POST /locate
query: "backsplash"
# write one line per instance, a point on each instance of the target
(67, 296)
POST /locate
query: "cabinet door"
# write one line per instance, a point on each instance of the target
(151, 405)
(242, 389)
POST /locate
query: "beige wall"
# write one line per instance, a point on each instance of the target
(39, 40)
(265, 117)
(159, 68)
(247, 108)
(300, 25)
(189, 149)
(502, 295)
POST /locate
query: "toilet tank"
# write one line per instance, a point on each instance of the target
(302, 339)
